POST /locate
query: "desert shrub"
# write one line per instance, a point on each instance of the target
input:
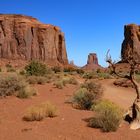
(104, 75)
(108, 116)
(8, 66)
(39, 112)
(68, 69)
(0, 69)
(90, 75)
(36, 80)
(22, 72)
(87, 95)
(11, 69)
(26, 92)
(82, 99)
(69, 80)
(80, 71)
(59, 84)
(94, 87)
(56, 69)
(50, 109)
(137, 76)
(12, 84)
(9, 84)
(73, 81)
(36, 68)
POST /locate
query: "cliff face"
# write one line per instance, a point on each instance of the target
(131, 43)
(25, 38)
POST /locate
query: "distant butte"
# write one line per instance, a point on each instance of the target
(25, 38)
(92, 62)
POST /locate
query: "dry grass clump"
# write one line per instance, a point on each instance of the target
(97, 75)
(9, 84)
(13, 84)
(69, 80)
(62, 81)
(87, 95)
(36, 80)
(39, 112)
(108, 116)
(59, 84)
(94, 87)
(26, 92)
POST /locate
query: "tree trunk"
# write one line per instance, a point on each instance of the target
(135, 124)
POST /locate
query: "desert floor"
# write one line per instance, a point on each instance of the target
(70, 124)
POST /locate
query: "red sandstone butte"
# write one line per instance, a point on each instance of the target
(25, 38)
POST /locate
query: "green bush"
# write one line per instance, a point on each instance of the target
(82, 99)
(94, 87)
(36, 68)
(0, 70)
(87, 95)
(108, 116)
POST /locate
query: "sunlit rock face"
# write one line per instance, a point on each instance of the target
(131, 43)
(23, 37)
(92, 62)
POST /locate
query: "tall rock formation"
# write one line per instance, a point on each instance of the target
(23, 37)
(131, 43)
(92, 62)
(92, 59)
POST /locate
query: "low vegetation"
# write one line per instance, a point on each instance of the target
(59, 84)
(36, 68)
(108, 116)
(56, 69)
(39, 112)
(87, 95)
(12, 84)
(96, 75)
(62, 81)
(26, 92)
(36, 80)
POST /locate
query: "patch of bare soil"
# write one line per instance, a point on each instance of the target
(70, 123)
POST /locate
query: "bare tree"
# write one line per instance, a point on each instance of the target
(132, 61)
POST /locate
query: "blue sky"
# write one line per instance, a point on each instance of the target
(89, 25)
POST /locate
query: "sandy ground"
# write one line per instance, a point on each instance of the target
(70, 123)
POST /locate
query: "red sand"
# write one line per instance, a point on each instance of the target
(69, 124)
